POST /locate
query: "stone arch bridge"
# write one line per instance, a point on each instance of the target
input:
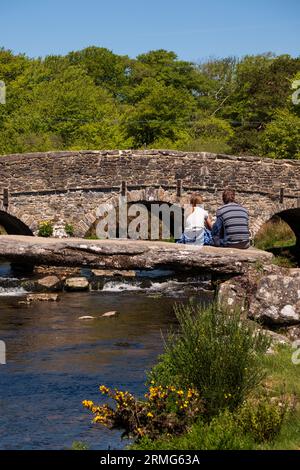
(70, 186)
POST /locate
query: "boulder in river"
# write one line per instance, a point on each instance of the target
(49, 283)
(77, 284)
(113, 273)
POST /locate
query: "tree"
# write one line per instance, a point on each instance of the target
(160, 116)
(55, 113)
(210, 134)
(107, 69)
(281, 136)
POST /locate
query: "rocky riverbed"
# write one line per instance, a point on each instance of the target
(267, 294)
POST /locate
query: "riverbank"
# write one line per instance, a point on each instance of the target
(217, 386)
(283, 379)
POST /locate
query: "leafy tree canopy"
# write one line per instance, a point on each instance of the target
(94, 98)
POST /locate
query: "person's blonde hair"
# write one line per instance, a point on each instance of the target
(196, 200)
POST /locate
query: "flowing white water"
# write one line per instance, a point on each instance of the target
(12, 291)
(165, 286)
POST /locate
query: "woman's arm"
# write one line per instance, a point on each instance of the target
(208, 222)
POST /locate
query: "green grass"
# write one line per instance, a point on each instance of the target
(283, 378)
(275, 234)
(277, 237)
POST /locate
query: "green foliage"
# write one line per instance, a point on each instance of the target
(210, 134)
(276, 236)
(216, 353)
(255, 423)
(221, 433)
(96, 99)
(262, 418)
(78, 445)
(2, 230)
(45, 229)
(269, 419)
(284, 262)
(281, 137)
(69, 229)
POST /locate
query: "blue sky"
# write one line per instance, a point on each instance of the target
(194, 29)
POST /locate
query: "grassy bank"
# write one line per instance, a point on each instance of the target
(282, 380)
(277, 237)
(216, 386)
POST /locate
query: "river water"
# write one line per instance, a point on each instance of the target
(55, 360)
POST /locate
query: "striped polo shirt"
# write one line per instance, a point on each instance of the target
(235, 220)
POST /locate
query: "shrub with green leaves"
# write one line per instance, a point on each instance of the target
(221, 433)
(45, 229)
(262, 418)
(215, 352)
(69, 229)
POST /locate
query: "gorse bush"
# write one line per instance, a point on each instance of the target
(165, 411)
(216, 353)
(255, 423)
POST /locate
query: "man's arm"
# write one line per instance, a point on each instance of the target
(217, 231)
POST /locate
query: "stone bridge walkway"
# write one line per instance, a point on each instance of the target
(127, 254)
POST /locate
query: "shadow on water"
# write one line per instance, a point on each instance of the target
(55, 360)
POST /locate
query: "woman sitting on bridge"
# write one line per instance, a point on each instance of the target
(198, 224)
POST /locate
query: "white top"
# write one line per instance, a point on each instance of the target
(195, 221)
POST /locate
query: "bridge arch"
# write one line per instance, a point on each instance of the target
(146, 197)
(13, 225)
(287, 210)
(292, 218)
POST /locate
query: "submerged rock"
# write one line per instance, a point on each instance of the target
(113, 313)
(39, 297)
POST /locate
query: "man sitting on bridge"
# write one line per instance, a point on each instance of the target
(231, 228)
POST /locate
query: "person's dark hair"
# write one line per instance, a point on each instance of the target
(196, 200)
(228, 195)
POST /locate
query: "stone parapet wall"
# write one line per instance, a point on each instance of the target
(65, 170)
(70, 186)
